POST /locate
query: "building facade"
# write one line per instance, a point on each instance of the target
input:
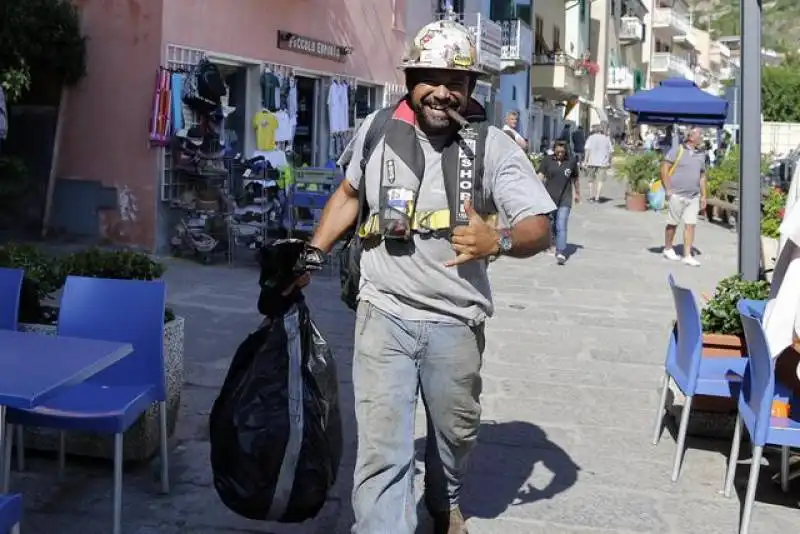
(560, 85)
(117, 185)
(673, 42)
(619, 30)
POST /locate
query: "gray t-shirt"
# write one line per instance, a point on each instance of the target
(598, 150)
(417, 286)
(685, 181)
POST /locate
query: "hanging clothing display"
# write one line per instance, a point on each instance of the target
(162, 107)
(270, 90)
(338, 105)
(266, 125)
(178, 120)
(284, 131)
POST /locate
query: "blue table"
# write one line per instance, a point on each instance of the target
(35, 368)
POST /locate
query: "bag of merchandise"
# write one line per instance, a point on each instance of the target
(276, 431)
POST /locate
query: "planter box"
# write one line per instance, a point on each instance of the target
(714, 417)
(142, 438)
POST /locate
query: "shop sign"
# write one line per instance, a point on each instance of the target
(312, 47)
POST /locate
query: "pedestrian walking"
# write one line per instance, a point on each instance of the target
(510, 127)
(429, 230)
(684, 179)
(598, 159)
(560, 175)
(579, 144)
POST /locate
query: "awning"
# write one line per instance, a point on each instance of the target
(598, 110)
(677, 100)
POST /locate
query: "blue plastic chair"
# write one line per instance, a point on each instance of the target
(10, 289)
(693, 374)
(755, 411)
(10, 513)
(129, 311)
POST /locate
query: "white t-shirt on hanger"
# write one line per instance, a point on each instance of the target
(284, 130)
(333, 107)
(344, 107)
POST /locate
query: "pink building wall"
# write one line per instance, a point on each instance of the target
(105, 131)
(107, 115)
(249, 28)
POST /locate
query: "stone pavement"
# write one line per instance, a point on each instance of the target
(572, 369)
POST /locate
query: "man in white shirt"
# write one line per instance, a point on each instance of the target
(598, 159)
(510, 127)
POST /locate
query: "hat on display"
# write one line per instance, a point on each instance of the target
(444, 44)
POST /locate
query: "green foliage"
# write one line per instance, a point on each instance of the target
(772, 213)
(638, 171)
(44, 275)
(720, 316)
(40, 39)
(727, 172)
(780, 93)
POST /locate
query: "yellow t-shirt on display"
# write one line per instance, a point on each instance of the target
(265, 124)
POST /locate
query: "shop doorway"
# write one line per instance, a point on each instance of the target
(304, 147)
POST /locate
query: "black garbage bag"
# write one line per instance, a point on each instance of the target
(276, 430)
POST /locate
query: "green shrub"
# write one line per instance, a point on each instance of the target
(720, 315)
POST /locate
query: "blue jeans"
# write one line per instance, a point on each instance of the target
(558, 227)
(394, 360)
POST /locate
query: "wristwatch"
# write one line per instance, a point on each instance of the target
(505, 243)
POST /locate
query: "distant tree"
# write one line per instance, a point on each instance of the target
(40, 43)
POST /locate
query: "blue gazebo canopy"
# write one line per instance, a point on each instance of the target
(680, 101)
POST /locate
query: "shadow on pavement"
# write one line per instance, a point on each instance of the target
(678, 250)
(513, 464)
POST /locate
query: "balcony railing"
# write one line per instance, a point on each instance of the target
(517, 47)
(488, 36)
(620, 80)
(557, 76)
(668, 18)
(670, 64)
(631, 30)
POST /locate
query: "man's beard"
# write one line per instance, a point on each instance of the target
(432, 116)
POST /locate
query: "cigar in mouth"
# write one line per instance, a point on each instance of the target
(456, 116)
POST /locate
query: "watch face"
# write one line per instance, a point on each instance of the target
(505, 243)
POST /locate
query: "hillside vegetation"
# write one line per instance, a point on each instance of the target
(781, 21)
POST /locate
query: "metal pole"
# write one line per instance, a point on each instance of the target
(750, 139)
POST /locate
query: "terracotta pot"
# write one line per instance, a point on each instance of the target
(636, 202)
(719, 346)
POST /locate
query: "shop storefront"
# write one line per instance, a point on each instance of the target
(295, 89)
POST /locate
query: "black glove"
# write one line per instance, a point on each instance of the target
(315, 258)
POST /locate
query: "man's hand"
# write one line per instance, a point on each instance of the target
(577, 197)
(703, 202)
(475, 241)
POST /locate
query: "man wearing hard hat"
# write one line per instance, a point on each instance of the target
(427, 180)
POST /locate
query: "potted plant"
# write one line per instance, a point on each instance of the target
(638, 171)
(772, 212)
(722, 328)
(45, 275)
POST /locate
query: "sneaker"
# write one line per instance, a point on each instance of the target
(560, 258)
(669, 253)
(690, 261)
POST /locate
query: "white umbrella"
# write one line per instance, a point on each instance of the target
(782, 314)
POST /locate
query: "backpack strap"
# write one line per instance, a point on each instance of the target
(462, 167)
(375, 132)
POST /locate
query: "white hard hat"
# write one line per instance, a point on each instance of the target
(444, 44)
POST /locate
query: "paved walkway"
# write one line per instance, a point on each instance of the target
(571, 374)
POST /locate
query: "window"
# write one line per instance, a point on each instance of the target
(556, 39)
(500, 10)
(539, 37)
